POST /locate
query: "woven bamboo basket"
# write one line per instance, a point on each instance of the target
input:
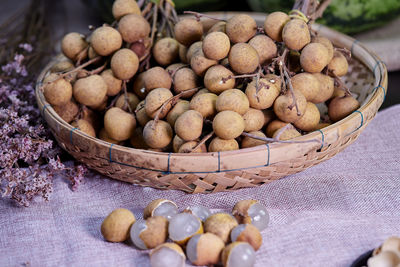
(226, 171)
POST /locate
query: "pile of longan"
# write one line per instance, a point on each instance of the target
(216, 86)
(207, 238)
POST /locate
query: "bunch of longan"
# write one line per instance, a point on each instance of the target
(207, 238)
(216, 86)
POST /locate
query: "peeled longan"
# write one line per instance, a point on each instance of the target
(265, 47)
(132, 101)
(188, 31)
(114, 85)
(309, 121)
(189, 125)
(193, 49)
(266, 95)
(250, 142)
(273, 126)
(119, 124)
(121, 8)
(104, 136)
(295, 34)
(341, 107)
(189, 147)
(57, 92)
(72, 44)
(185, 79)
(284, 102)
(328, 45)
(240, 28)
(205, 104)
(180, 107)
(105, 40)
(243, 58)
(287, 134)
(274, 23)
(253, 120)
(326, 88)
(124, 64)
(200, 64)
(155, 99)
(338, 65)
(228, 124)
(67, 111)
(218, 144)
(157, 77)
(307, 84)
(216, 45)
(133, 27)
(176, 143)
(141, 114)
(213, 79)
(137, 139)
(166, 51)
(220, 26)
(182, 53)
(233, 99)
(157, 135)
(314, 57)
(138, 86)
(90, 91)
(85, 127)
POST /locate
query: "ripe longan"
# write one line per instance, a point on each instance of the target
(180, 107)
(273, 126)
(72, 44)
(309, 121)
(328, 45)
(62, 66)
(57, 92)
(138, 86)
(155, 99)
(121, 8)
(91, 53)
(283, 103)
(253, 120)
(188, 31)
(233, 99)
(241, 28)
(141, 47)
(182, 53)
(141, 114)
(156, 77)
(216, 45)
(85, 127)
(205, 104)
(90, 91)
(67, 111)
(105, 40)
(287, 134)
(266, 95)
(114, 85)
(189, 146)
(157, 135)
(295, 34)
(228, 124)
(338, 92)
(338, 65)
(185, 79)
(137, 140)
(218, 144)
(200, 64)
(174, 67)
(133, 27)
(189, 125)
(243, 58)
(265, 47)
(274, 23)
(132, 101)
(307, 84)
(193, 49)
(101, 106)
(119, 124)
(341, 107)
(104, 136)
(166, 51)
(220, 26)
(124, 64)
(250, 142)
(314, 57)
(213, 79)
(176, 143)
(326, 88)
(92, 117)
(269, 115)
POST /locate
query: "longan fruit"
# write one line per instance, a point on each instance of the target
(287, 134)
(233, 99)
(176, 143)
(133, 27)
(265, 47)
(115, 227)
(328, 45)
(68, 111)
(85, 127)
(188, 31)
(243, 58)
(274, 23)
(295, 34)
(141, 47)
(326, 88)
(114, 85)
(201, 91)
(105, 40)
(213, 79)
(193, 49)
(166, 51)
(207, 24)
(274, 79)
(338, 65)
(90, 91)
(200, 64)
(121, 8)
(72, 44)
(180, 107)
(132, 101)
(307, 84)
(273, 126)
(138, 86)
(92, 117)
(283, 103)
(314, 57)
(62, 66)
(104, 136)
(216, 45)
(101, 106)
(189, 125)
(250, 142)
(91, 53)
(119, 124)
(322, 125)
(124, 64)
(253, 120)
(220, 26)
(155, 99)
(265, 96)
(141, 114)
(57, 92)
(309, 121)
(228, 124)
(174, 67)
(218, 144)
(205, 104)
(189, 146)
(337, 91)
(185, 79)
(341, 107)
(241, 28)
(182, 53)
(137, 139)
(157, 135)
(157, 77)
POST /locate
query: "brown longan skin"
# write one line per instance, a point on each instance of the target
(274, 23)
(166, 51)
(105, 40)
(185, 79)
(243, 58)
(338, 92)
(137, 140)
(220, 26)
(241, 28)
(141, 114)
(295, 34)
(221, 225)
(253, 119)
(188, 31)
(216, 45)
(188, 147)
(328, 45)
(133, 101)
(90, 91)
(338, 65)
(182, 53)
(180, 107)
(176, 143)
(156, 232)
(57, 92)
(219, 145)
(124, 64)
(266, 95)
(314, 57)
(341, 107)
(119, 124)
(104, 136)
(193, 49)
(287, 134)
(269, 115)
(307, 84)
(326, 88)
(265, 47)
(115, 227)
(91, 53)
(72, 44)
(84, 126)
(189, 125)
(157, 77)
(228, 124)
(233, 99)
(309, 121)
(174, 67)
(200, 64)
(205, 104)
(62, 66)
(114, 85)
(138, 86)
(157, 135)
(282, 103)
(133, 27)
(155, 99)
(102, 106)
(213, 79)
(251, 235)
(251, 142)
(67, 111)
(273, 126)
(121, 8)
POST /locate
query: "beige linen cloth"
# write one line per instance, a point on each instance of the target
(327, 215)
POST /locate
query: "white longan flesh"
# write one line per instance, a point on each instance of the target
(201, 212)
(166, 209)
(182, 226)
(191, 248)
(237, 231)
(259, 216)
(165, 256)
(138, 227)
(242, 255)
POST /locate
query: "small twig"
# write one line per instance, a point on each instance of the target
(147, 9)
(199, 15)
(81, 55)
(345, 51)
(154, 26)
(172, 73)
(205, 138)
(339, 82)
(126, 97)
(270, 140)
(224, 80)
(320, 10)
(281, 130)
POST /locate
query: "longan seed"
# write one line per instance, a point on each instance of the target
(137, 140)
(328, 45)
(124, 64)
(105, 40)
(180, 107)
(166, 51)
(200, 64)
(341, 107)
(132, 101)
(141, 114)
(155, 99)
(243, 58)
(185, 79)
(213, 79)
(285, 111)
(287, 134)
(205, 104)
(265, 47)
(314, 57)
(188, 31)
(338, 65)
(307, 84)
(189, 147)
(220, 26)
(85, 127)
(228, 124)
(67, 111)
(189, 125)
(295, 34)
(182, 53)
(138, 86)
(58, 92)
(216, 45)
(119, 124)
(72, 44)
(193, 49)
(157, 135)
(62, 66)
(157, 77)
(218, 144)
(273, 126)
(133, 27)
(233, 99)
(104, 136)
(240, 28)
(274, 23)
(309, 121)
(253, 120)
(114, 85)
(266, 95)
(90, 91)
(121, 8)
(250, 142)
(176, 143)
(326, 88)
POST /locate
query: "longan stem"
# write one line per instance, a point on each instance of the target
(126, 97)
(270, 140)
(154, 26)
(99, 69)
(345, 51)
(147, 9)
(320, 10)
(80, 55)
(205, 138)
(199, 15)
(281, 130)
(224, 80)
(340, 83)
